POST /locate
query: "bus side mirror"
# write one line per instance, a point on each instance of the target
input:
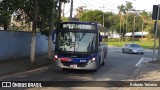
(54, 36)
(100, 37)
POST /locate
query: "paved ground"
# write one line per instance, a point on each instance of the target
(144, 72)
(13, 66)
(149, 73)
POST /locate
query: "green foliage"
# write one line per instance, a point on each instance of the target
(25, 11)
(64, 19)
(110, 19)
(144, 43)
(92, 16)
(128, 5)
(7, 7)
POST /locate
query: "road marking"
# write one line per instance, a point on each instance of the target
(143, 60)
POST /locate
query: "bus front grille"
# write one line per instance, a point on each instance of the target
(72, 63)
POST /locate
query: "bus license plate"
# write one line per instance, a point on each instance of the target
(73, 65)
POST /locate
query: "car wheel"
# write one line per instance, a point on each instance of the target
(142, 53)
(65, 69)
(130, 51)
(123, 51)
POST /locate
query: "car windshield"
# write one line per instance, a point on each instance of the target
(76, 41)
(135, 46)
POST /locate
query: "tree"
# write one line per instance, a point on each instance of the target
(127, 8)
(47, 15)
(34, 26)
(144, 16)
(50, 19)
(96, 16)
(51, 28)
(121, 11)
(92, 15)
(7, 7)
(80, 10)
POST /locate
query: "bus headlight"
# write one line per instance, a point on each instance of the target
(55, 57)
(91, 60)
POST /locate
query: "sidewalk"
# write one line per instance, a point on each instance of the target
(149, 72)
(14, 66)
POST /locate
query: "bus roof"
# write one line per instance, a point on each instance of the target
(98, 26)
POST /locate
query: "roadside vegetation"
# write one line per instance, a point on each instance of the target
(44, 15)
(145, 43)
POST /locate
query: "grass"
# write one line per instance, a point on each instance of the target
(145, 43)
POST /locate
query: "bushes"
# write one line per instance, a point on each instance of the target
(145, 42)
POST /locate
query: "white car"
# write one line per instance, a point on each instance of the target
(132, 48)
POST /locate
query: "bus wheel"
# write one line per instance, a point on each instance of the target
(103, 62)
(97, 66)
(64, 69)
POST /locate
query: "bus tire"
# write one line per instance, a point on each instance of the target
(64, 69)
(97, 66)
(103, 62)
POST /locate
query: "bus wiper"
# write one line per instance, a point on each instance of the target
(82, 36)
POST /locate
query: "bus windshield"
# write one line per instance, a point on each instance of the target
(76, 41)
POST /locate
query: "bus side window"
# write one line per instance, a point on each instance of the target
(100, 38)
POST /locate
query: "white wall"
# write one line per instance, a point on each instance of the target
(15, 45)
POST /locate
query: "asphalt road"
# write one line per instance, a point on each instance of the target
(118, 66)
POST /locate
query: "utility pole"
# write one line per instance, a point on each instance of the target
(134, 22)
(142, 30)
(63, 10)
(126, 26)
(155, 36)
(133, 29)
(60, 11)
(103, 16)
(33, 42)
(71, 10)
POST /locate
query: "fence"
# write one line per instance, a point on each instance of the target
(15, 45)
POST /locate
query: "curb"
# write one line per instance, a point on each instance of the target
(26, 69)
(138, 71)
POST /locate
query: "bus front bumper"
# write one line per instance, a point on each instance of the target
(88, 66)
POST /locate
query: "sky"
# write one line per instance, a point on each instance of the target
(110, 5)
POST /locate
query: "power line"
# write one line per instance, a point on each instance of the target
(84, 3)
(111, 2)
(104, 3)
(93, 6)
(90, 3)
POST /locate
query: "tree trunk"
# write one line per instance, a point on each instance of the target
(120, 31)
(126, 27)
(123, 31)
(142, 30)
(33, 43)
(50, 41)
(5, 26)
(63, 11)
(51, 28)
(71, 10)
(60, 4)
